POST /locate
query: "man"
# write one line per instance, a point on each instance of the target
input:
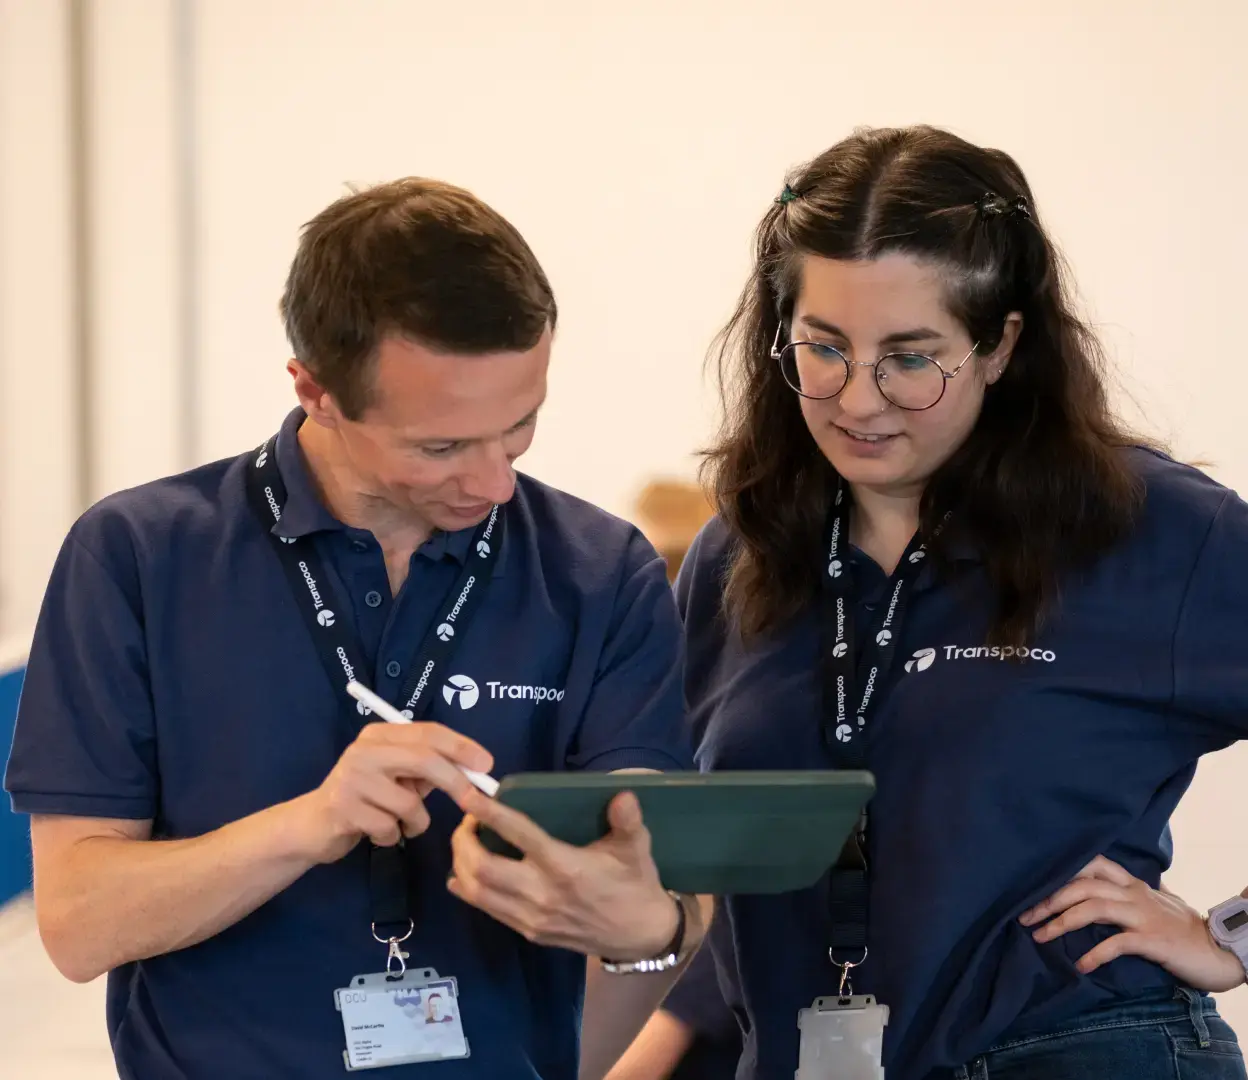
(218, 826)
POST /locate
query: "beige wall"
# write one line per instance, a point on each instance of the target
(136, 243)
(635, 145)
(38, 439)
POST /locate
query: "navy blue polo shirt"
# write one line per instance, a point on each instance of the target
(997, 781)
(172, 677)
(697, 1001)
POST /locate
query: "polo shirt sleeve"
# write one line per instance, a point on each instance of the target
(635, 715)
(709, 657)
(84, 743)
(1210, 673)
(703, 574)
(697, 1002)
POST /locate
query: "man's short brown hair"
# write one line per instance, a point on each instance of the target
(416, 258)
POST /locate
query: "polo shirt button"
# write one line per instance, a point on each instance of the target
(393, 669)
(373, 598)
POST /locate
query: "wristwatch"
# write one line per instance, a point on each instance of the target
(1228, 923)
(668, 957)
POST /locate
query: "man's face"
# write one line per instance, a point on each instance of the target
(442, 432)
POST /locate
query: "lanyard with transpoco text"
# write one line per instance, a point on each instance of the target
(328, 622)
(851, 685)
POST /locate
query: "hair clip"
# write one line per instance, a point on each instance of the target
(786, 196)
(991, 204)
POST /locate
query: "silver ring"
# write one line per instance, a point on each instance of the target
(411, 926)
(846, 965)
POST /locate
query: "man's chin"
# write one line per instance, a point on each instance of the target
(454, 518)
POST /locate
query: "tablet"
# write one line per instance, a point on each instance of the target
(720, 833)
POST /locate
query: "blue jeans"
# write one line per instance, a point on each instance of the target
(1179, 1037)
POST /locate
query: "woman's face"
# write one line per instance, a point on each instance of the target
(866, 309)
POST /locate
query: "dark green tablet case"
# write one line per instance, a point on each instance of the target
(720, 833)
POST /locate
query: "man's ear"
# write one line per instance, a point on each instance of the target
(995, 365)
(315, 400)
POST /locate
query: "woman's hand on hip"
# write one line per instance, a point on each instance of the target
(1155, 924)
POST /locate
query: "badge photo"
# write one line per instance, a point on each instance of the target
(399, 1020)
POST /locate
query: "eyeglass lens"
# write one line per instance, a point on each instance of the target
(908, 380)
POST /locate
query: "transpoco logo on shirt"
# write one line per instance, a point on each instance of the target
(925, 658)
(445, 632)
(462, 691)
(325, 617)
(525, 693)
(921, 660)
(263, 459)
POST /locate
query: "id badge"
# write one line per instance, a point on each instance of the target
(398, 1020)
(842, 1039)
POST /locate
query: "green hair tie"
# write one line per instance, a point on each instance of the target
(786, 196)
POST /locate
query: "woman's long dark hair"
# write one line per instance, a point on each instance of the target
(1041, 485)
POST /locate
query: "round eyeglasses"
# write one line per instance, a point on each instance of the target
(818, 371)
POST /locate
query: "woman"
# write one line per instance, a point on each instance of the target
(939, 556)
(692, 1036)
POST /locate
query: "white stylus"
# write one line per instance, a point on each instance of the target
(481, 781)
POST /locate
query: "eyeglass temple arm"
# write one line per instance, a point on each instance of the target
(775, 345)
(951, 374)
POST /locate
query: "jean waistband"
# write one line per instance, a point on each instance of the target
(1153, 1007)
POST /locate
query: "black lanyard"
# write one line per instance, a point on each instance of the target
(851, 686)
(328, 620)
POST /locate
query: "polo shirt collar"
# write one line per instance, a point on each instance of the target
(960, 547)
(455, 545)
(305, 514)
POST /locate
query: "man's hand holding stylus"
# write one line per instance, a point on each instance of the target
(377, 789)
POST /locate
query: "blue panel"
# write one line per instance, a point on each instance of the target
(14, 829)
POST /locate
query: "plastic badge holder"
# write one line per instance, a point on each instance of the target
(841, 1039)
(718, 833)
(393, 1019)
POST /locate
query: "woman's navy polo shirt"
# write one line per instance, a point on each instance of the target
(997, 781)
(172, 677)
